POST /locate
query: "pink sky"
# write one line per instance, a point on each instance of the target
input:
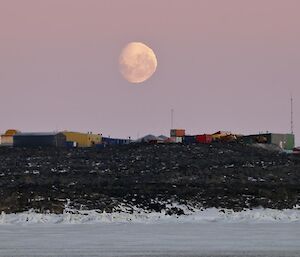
(222, 65)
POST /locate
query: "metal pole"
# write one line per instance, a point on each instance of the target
(172, 118)
(292, 122)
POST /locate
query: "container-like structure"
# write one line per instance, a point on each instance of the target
(187, 139)
(204, 139)
(115, 141)
(177, 133)
(7, 139)
(176, 139)
(51, 139)
(284, 141)
(82, 139)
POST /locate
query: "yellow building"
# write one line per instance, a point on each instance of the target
(8, 137)
(83, 139)
(224, 136)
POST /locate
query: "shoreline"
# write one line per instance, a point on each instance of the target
(138, 216)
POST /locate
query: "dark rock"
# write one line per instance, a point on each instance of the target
(231, 175)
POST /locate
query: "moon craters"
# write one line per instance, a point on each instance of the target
(137, 62)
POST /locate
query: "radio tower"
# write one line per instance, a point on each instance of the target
(292, 122)
(172, 118)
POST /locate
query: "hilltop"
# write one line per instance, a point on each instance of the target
(151, 177)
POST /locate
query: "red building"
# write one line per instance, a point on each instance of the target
(204, 139)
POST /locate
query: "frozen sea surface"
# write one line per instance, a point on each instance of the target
(160, 239)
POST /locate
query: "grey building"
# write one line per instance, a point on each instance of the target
(40, 139)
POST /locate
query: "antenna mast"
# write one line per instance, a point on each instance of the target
(292, 122)
(172, 118)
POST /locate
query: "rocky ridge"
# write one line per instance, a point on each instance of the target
(151, 177)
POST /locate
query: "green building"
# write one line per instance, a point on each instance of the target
(284, 141)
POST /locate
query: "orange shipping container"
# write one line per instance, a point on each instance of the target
(177, 132)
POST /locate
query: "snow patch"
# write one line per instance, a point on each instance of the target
(135, 215)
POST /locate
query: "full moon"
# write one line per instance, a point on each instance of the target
(137, 62)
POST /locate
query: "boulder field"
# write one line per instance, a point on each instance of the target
(152, 177)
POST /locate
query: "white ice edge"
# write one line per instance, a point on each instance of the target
(70, 216)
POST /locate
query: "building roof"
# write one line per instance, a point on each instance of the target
(151, 137)
(38, 134)
(162, 137)
(222, 132)
(11, 132)
(269, 133)
(147, 138)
